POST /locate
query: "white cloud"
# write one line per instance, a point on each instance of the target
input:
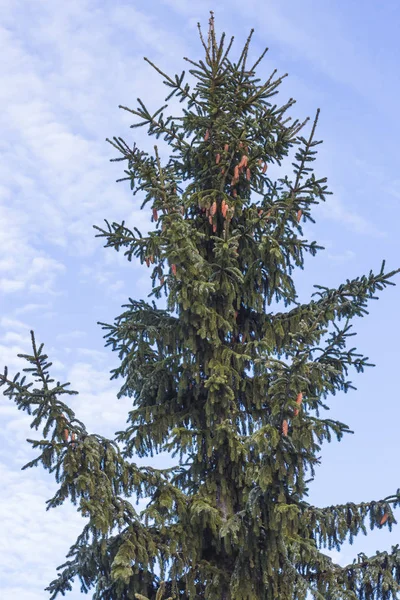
(71, 335)
(30, 307)
(29, 545)
(345, 256)
(334, 209)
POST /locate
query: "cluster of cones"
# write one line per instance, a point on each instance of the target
(241, 167)
(211, 212)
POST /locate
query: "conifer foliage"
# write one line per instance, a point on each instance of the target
(233, 388)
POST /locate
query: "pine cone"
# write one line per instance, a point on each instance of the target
(384, 519)
(265, 167)
(285, 428)
(65, 435)
(155, 214)
(243, 162)
(207, 135)
(299, 214)
(226, 147)
(213, 208)
(299, 400)
(248, 174)
(217, 159)
(173, 269)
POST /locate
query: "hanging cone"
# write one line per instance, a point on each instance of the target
(155, 214)
(224, 208)
(236, 173)
(384, 519)
(65, 435)
(299, 400)
(207, 135)
(265, 167)
(223, 171)
(248, 174)
(213, 208)
(285, 428)
(217, 159)
(226, 147)
(243, 162)
(147, 261)
(173, 269)
(299, 215)
(151, 259)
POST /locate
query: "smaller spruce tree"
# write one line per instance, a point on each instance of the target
(218, 378)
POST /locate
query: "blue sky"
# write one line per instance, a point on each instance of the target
(67, 68)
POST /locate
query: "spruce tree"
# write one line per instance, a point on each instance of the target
(232, 387)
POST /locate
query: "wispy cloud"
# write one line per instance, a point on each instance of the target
(31, 307)
(335, 210)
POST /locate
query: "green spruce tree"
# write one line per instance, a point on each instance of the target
(218, 378)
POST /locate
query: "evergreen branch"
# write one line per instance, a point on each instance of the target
(158, 126)
(177, 85)
(335, 524)
(373, 578)
(303, 156)
(347, 301)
